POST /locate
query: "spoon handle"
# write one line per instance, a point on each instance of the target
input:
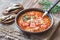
(53, 5)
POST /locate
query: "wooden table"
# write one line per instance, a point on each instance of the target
(56, 35)
(27, 4)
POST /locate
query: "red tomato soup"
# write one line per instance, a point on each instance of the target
(32, 21)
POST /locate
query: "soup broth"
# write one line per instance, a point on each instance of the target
(32, 21)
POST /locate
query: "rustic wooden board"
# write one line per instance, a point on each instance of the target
(12, 32)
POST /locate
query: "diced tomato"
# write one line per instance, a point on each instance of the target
(25, 24)
(40, 17)
(38, 24)
(20, 22)
(39, 14)
(32, 25)
(36, 28)
(44, 26)
(32, 13)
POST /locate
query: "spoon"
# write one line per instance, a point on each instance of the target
(51, 7)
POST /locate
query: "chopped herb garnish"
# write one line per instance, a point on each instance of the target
(46, 4)
(26, 17)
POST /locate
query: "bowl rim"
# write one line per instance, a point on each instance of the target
(30, 9)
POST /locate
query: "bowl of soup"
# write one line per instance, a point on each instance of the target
(31, 21)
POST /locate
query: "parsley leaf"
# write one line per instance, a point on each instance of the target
(46, 4)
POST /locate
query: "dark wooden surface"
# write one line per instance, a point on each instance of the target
(56, 35)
